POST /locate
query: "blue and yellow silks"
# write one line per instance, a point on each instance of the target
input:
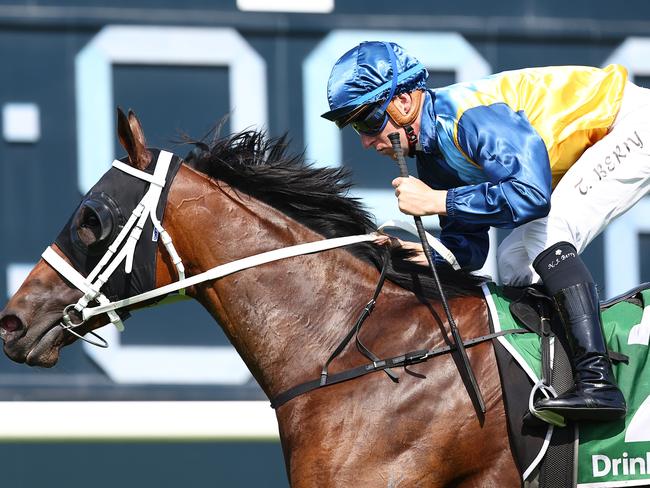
(502, 143)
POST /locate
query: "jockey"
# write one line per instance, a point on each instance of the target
(553, 153)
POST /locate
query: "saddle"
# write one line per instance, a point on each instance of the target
(549, 456)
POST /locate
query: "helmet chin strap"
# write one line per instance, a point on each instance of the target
(412, 139)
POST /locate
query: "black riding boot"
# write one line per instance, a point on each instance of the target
(595, 396)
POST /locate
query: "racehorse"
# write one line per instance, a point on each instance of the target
(243, 195)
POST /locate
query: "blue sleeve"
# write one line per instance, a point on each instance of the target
(468, 242)
(515, 161)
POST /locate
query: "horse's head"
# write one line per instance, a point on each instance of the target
(31, 323)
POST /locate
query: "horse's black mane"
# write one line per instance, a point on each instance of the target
(317, 198)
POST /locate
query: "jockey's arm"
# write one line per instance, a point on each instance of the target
(515, 164)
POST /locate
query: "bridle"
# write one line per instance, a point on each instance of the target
(122, 249)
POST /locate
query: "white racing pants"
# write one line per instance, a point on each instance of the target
(607, 180)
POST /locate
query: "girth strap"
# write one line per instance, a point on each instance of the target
(407, 359)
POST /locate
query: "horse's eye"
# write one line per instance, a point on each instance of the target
(90, 220)
(95, 223)
(89, 228)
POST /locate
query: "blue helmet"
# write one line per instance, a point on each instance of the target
(371, 72)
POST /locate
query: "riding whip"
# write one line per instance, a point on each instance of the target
(475, 392)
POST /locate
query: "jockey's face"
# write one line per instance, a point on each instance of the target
(404, 104)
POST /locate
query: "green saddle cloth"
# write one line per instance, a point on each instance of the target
(610, 454)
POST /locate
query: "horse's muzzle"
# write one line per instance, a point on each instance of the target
(35, 345)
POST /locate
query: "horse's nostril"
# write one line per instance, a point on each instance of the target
(9, 325)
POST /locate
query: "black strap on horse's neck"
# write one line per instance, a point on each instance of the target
(403, 360)
(354, 331)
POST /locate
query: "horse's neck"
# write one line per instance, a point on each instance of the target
(283, 317)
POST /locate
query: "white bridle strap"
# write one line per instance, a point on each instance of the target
(65, 269)
(154, 179)
(233, 267)
(438, 246)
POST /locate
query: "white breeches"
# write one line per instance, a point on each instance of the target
(607, 180)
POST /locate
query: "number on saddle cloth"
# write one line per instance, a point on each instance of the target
(618, 453)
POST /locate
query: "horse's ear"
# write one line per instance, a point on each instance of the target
(129, 131)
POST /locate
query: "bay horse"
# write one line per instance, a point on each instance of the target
(242, 195)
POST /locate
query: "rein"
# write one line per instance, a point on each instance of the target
(230, 268)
